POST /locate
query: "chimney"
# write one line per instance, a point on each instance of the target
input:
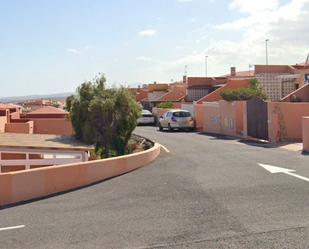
(233, 71)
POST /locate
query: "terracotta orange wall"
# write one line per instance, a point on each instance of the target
(244, 118)
(228, 117)
(43, 116)
(224, 117)
(239, 112)
(258, 69)
(3, 121)
(35, 183)
(177, 105)
(285, 120)
(212, 118)
(57, 126)
(19, 127)
(15, 115)
(199, 116)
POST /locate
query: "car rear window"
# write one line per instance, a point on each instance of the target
(181, 114)
(147, 115)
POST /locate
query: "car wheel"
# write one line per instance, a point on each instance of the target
(170, 127)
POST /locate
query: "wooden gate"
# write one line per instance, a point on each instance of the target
(257, 125)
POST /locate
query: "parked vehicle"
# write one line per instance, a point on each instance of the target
(176, 119)
(147, 118)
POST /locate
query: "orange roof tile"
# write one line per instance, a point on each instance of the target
(177, 93)
(241, 74)
(141, 94)
(205, 81)
(157, 87)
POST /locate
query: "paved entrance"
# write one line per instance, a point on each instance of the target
(207, 192)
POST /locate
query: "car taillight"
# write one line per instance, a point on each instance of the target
(174, 119)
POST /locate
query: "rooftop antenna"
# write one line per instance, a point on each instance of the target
(186, 70)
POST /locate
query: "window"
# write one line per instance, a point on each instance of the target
(181, 114)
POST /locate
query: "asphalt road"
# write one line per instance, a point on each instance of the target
(208, 192)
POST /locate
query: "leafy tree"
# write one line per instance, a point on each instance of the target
(55, 104)
(68, 102)
(104, 116)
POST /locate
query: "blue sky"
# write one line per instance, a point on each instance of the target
(53, 46)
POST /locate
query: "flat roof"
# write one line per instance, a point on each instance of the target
(41, 141)
(48, 110)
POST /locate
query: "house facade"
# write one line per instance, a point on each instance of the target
(278, 81)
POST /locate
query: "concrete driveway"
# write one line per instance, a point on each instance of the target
(205, 193)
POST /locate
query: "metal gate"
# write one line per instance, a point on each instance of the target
(257, 125)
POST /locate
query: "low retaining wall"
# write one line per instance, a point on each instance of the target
(285, 120)
(36, 183)
(19, 127)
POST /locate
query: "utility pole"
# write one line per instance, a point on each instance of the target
(206, 57)
(186, 70)
(266, 50)
(250, 66)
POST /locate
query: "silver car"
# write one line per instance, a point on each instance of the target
(176, 119)
(146, 118)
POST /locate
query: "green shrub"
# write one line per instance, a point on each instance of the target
(254, 90)
(166, 105)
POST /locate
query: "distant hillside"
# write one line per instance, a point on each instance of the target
(28, 97)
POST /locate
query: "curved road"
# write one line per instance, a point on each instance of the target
(208, 192)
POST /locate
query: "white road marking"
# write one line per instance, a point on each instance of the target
(164, 148)
(275, 169)
(11, 228)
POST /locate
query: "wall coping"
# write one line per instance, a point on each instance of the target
(33, 184)
(155, 146)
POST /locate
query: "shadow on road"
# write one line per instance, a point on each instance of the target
(256, 143)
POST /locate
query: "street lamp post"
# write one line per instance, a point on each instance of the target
(206, 57)
(266, 50)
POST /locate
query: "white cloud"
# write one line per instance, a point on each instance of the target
(80, 51)
(286, 25)
(73, 51)
(147, 32)
(193, 19)
(143, 58)
(252, 6)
